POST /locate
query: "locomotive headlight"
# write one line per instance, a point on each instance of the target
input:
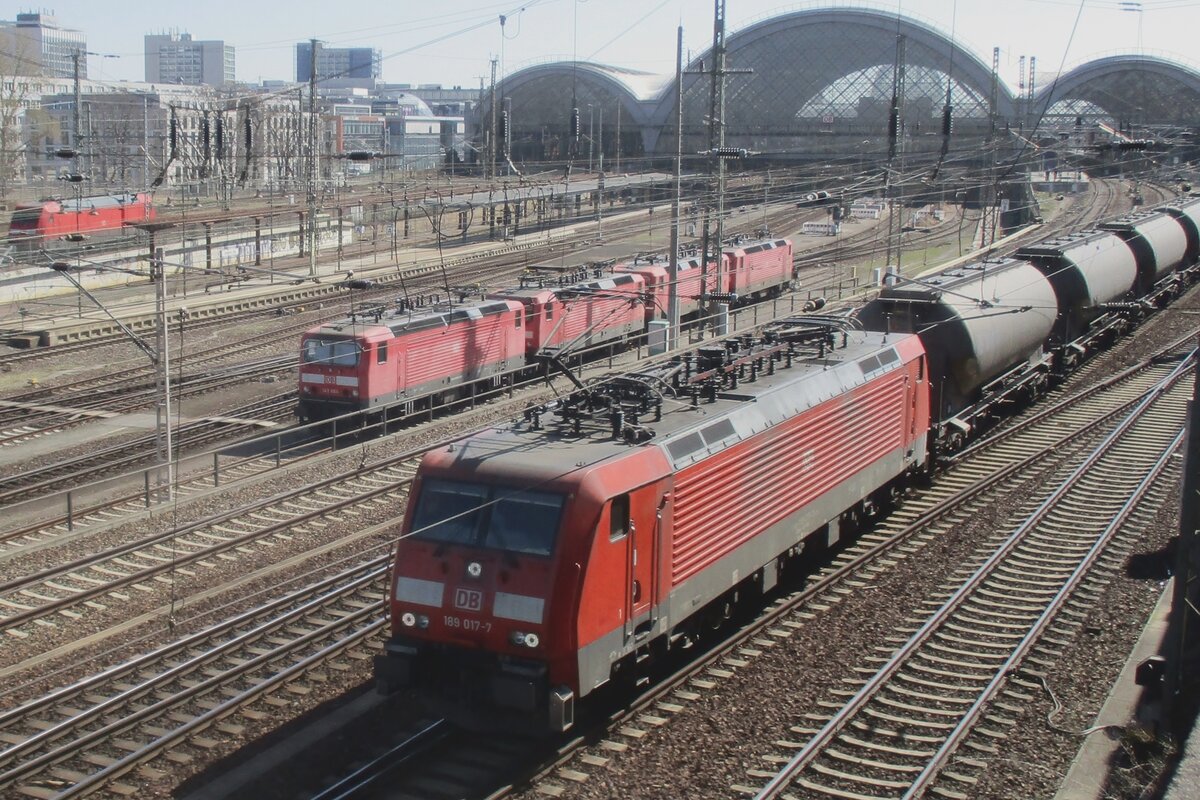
(474, 569)
(422, 622)
(408, 619)
(525, 639)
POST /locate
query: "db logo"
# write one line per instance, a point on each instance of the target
(468, 599)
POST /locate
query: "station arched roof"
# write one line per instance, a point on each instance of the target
(639, 92)
(827, 66)
(1132, 88)
(795, 56)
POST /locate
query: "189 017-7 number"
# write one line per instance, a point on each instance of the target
(467, 624)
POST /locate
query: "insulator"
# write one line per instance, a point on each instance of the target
(173, 133)
(249, 132)
(576, 128)
(220, 137)
(505, 129)
(205, 137)
(729, 152)
(947, 129)
(894, 124)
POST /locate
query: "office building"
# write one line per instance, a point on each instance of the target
(334, 63)
(177, 58)
(37, 45)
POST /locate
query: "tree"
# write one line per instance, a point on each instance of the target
(15, 67)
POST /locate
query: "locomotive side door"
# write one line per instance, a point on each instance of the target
(640, 567)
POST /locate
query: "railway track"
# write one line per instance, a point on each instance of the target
(930, 715)
(430, 276)
(45, 418)
(88, 735)
(1011, 462)
(99, 580)
(139, 450)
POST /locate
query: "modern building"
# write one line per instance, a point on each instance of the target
(334, 63)
(38, 45)
(445, 101)
(128, 143)
(177, 58)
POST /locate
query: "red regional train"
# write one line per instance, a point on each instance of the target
(383, 358)
(540, 560)
(35, 222)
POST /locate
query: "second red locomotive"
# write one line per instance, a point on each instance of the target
(33, 223)
(378, 359)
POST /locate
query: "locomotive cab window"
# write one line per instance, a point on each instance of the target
(549, 311)
(494, 517)
(331, 352)
(381, 353)
(26, 218)
(618, 519)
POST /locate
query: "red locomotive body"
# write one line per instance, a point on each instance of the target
(539, 561)
(352, 365)
(758, 269)
(51, 218)
(602, 311)
(657, 280)
(747, 272)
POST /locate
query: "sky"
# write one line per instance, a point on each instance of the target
(451, 41)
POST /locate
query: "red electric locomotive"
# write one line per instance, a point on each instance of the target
(759, 269)
(50, 218)
(693, 285)
(354, 364)
(581, 315)
(386, 357)
(542, 559)
(748, 272)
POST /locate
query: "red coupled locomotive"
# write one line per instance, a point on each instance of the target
(379, 359)
(34, 223)
(540, 560)
(382, 358)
